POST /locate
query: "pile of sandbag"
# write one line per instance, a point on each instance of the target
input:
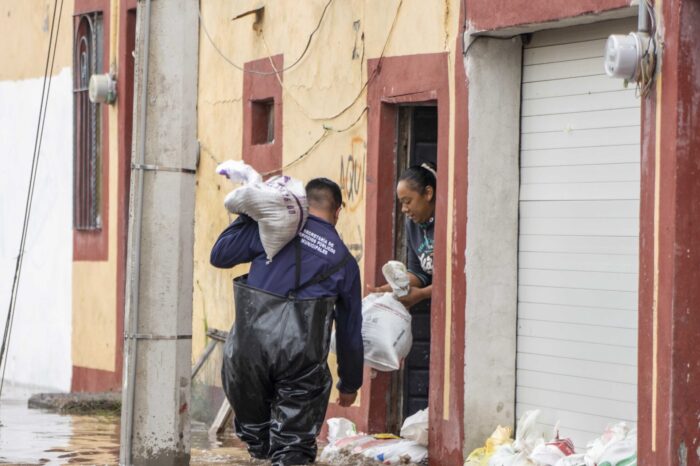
(346, 446)
(482, 455)
(278, 205)
(616, 447)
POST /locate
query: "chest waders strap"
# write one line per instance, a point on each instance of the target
(317, 278)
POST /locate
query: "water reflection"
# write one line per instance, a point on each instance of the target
(32, 436)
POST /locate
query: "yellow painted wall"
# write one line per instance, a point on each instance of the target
(25, 27)
(95, 283)
(324, 100)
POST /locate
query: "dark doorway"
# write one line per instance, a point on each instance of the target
(416, 143)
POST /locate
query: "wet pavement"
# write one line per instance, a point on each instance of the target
(36, 436)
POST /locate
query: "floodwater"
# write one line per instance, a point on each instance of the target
(34, 436)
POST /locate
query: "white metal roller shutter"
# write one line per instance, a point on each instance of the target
(579, 227)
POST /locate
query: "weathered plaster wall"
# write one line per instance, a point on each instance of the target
(494, 70)
(95, 282)
(26, 26)
(324, 110)
(40, 351)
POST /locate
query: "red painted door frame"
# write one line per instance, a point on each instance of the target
(394, 81)
(87, 379)
(669, 318)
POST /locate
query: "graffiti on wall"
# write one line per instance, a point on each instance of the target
(352, 174)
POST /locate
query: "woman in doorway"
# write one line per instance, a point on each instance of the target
(416, 194)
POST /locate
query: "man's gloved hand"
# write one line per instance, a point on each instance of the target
(346, 399)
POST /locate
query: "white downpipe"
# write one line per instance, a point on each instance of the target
(136, 257)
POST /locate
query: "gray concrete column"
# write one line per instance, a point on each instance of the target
(494, 73)
(158, 321)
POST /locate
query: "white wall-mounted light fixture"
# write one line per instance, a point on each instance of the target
(632, 57)
(102, 89)
(623, 55)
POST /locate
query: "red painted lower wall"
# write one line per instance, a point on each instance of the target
(94, 380)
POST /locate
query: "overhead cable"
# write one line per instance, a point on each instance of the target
(38, 139)
(264, 73)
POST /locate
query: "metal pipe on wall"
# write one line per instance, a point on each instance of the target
(130, 356)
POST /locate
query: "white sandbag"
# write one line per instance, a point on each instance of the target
(579, 459)
(620, 452)
(238, 172)
(507, 456)
(527, 435)
(278, 205)
(340, 428)
(396, 276)
(386, 331)
(550, 453)
(527, 439)
(613, 433)
(415, 427)
(546, 455)
(345, 446)
(397, 452)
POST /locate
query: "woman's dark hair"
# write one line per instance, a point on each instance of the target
(420, 177)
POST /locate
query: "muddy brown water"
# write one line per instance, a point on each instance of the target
(35, 436)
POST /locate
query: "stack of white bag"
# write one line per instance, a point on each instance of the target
(278, 204)
(616, 447)
(386, 324)
(344, 441)
(527, 439)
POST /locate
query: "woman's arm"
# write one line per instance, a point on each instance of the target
(417, 292)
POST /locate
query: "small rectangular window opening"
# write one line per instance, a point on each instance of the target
(263, 119)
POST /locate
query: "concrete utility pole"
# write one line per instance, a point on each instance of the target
(158, 322)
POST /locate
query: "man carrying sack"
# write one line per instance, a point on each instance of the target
(275, 373)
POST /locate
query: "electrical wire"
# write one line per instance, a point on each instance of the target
(38, 139)
(648, 61)
(476, 38)
(326, 132)
(263, 73)
(361, 92)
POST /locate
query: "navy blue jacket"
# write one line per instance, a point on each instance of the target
(321, 249)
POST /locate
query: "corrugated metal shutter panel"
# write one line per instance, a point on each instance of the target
(579, 227)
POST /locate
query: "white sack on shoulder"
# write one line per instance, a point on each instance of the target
(386, 331)
(278, 205)
(238, 172)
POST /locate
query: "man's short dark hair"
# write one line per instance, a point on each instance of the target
(324, 193)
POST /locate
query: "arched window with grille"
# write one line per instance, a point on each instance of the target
(87, 124)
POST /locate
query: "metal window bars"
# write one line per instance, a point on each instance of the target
(87, 124)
